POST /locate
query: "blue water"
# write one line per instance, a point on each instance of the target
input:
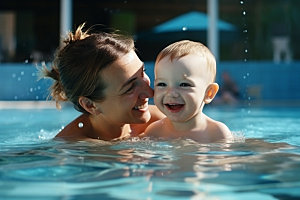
(263, 162)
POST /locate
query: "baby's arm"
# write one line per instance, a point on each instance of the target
(154, 129)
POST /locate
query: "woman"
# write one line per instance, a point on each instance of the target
(105, 80)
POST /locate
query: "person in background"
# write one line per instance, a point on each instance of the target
(185, 74)
(229, 91)
(103, 77)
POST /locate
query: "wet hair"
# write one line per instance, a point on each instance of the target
(182, 48)
(77, 65)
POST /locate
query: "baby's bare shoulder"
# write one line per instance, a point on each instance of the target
(220, 130)
(155, 129)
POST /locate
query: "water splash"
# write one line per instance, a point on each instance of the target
(246, 51)
(80, 125)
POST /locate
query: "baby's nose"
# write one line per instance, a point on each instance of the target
(172, 92)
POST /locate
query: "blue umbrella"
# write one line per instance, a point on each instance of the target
(190, 26)
(191, 21)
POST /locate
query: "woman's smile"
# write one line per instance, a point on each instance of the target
(142, 107)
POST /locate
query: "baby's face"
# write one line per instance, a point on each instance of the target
(180, 86)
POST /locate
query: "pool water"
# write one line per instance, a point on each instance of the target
(263, 162)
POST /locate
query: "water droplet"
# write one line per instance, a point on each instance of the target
(36, 97)
(245, 60)
(245, 31)
(242, 2)
(15, 97)
(246, 50)
(26, 61)
(39, 87)
(80, 124)
(248, 74)
(31, 89)
(184, 28)
(244, 77)
(33, 74)
(22, 73)
(19, 79)
(244, 12)
(14, 75)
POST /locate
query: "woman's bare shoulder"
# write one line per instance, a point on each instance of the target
(76, 129)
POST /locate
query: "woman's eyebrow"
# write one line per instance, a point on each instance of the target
(132, 79)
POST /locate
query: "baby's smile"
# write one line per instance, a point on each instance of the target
(173, 107)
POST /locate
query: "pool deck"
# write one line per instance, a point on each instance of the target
(52, 104)
(27, 105)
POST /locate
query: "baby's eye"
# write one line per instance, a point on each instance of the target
(161, 85)
(185, 85)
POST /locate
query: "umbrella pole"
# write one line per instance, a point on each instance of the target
(213, 33)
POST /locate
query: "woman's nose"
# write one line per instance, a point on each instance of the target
(146, 90)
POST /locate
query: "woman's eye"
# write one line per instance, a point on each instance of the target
(129, 90)
(161, 84)
(185, 85)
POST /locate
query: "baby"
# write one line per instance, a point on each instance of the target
(185, 74)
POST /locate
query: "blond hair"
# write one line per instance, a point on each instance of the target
(185, 47)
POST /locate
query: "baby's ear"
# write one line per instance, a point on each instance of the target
(211, 92)
(88, 105)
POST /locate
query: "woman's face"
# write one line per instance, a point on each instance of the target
(127, 91)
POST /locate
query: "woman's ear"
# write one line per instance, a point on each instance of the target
(88, 105)
(211, 92)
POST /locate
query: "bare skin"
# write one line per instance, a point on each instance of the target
(209, 131)
(124, 112)
(182, 88)
(73, 132)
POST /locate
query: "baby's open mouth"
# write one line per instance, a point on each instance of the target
(174, 107)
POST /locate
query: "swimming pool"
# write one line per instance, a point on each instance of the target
(263, 162)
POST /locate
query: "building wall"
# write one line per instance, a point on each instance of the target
(258, 80)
